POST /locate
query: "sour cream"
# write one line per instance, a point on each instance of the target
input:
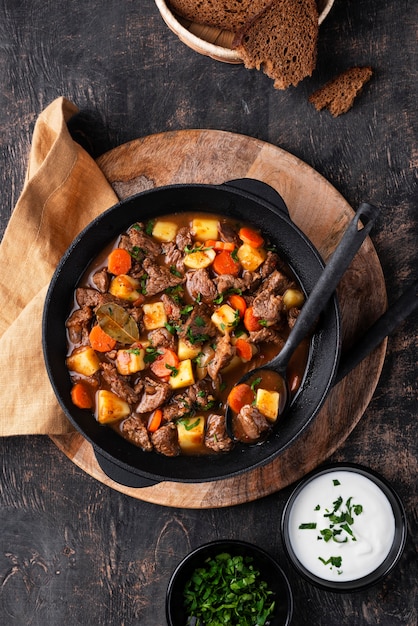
(341, 526)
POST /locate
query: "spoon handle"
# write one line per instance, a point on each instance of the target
(356, 232)
(383, 326)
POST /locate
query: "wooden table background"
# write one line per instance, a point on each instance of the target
(72, 550)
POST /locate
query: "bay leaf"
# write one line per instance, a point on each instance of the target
(117, 323)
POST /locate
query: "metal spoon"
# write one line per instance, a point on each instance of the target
(355, 234)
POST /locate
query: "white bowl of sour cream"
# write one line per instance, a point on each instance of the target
(344, 527)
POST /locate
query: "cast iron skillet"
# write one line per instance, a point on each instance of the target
(253, 202)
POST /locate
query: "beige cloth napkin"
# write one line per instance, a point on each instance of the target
(63, 191)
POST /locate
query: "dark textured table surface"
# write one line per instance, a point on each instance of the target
(73, 551)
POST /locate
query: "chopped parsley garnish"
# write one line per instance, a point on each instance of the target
(255, 382)
(196, 338)
(339, 529)
(228, 590)
(151, 354)
(334, 561)
(175, 272)
(174, 370)
(308, 526)
(149, 227)
(187, 309)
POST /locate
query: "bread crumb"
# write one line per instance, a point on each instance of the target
(339, 93)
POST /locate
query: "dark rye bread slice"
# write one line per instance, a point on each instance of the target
(282, 41)
(226, 14)
(338, 94)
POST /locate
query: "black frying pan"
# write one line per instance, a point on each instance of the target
(253, 202)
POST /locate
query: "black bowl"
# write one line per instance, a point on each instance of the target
(269, 569)
(250, 201)
(395, 550)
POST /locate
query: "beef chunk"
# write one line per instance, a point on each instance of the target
(276, 282)
(78, 325)
(270, 264)
(101, 280)
(171, 307)
(161, 338)
(135, 430)
(179, 406)
(159, 278)
(223, 356)
(267, 334)
(140, 242)
(199, 326)
(268, 307)
(197, 397)
(225, 282)
(228, 233)
(216, 437)
(199, 282)
(153, 396)
(251, 280)
(292, 316)
(118, 383)
(165, 440)
(201, 395)
(252, 423)
(86, 296)
(173, 256)
(184, 238)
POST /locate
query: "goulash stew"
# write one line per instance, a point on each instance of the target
(168, 318)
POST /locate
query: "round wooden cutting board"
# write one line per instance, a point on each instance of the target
(207, 156)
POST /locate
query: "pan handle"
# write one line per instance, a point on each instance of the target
(121, 475)
(262, 191)
(384, 325)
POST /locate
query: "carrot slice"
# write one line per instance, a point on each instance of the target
(239, 396)
(224, 263)
(244, 350)
(155, 420)
(119, 261)
(101, 341)
(164, 364)
(238, 303)
(229, 246)
(81, 397)
(251, 322)
(250, 237)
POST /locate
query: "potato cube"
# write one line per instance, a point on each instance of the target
(110, 407)
(187, 351)
(164, 231)
(154, 316)
(233, 363)
(267, 402)
(184, 375)
(125, 287)
(205, 228)
(250, 258)
(130, 360)
(191, 431)
(199, 259)
(293, 298)
(225, 318)
(84, 361)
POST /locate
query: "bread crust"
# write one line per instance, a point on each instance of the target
(226, 14)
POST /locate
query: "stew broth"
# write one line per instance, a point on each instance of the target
(168, 318)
